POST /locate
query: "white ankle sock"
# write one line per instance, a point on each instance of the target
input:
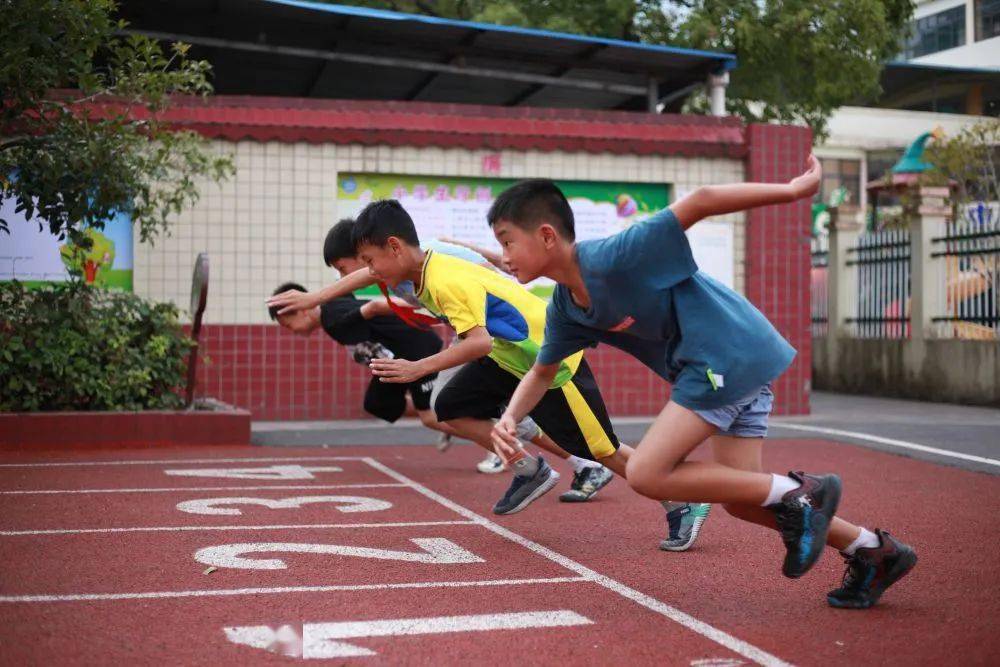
(780, 485)
(670, 505)
(866, 540)
(579, 464)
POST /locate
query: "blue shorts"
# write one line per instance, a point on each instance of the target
(746, 418)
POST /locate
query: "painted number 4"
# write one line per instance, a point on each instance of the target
(322, 640)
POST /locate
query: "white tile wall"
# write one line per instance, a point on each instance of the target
(267, 224)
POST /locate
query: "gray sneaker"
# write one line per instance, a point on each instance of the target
(586, 483)
(525, 490)
(685, 522)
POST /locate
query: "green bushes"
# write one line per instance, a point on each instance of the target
(70, 346)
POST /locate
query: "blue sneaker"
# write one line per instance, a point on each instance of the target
(525, 490)
(685, 522)
(803, 516)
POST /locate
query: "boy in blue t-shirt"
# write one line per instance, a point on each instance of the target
(641, 291)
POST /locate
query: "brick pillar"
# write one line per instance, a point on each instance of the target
(777, 254)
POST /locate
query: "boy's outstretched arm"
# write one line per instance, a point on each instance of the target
(490, 256)
(711, 200)
(476, 343)
(291, 301)
(529, 391)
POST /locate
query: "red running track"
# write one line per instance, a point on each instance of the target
(400, 561)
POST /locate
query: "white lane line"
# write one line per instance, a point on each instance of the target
(168, 529)
(903, 444)
(712, 633)
(181, 489)
(155, 595)
(252, 459)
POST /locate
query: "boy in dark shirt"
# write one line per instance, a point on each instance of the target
(373, 332)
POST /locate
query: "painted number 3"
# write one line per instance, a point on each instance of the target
(216, 506)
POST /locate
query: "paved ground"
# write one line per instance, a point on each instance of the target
(390, 555)
(970, 432)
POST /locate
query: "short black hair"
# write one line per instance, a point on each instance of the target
(530, 203)
(272, 311)
(382, 219)
(338, 243)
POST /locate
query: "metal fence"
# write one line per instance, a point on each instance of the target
(818, 292)
(970, 251)
(882, 303)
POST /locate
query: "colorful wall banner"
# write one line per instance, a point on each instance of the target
(35, 256)
(444, 206)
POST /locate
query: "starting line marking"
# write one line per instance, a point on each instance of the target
(167, 529)
(182, 489)
(710, 632)
(155, 595)
(251, 459)
(903, 444)
(320, 640)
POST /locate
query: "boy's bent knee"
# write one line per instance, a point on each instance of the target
(642, 481)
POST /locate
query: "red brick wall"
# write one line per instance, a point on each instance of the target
(777, 254)
(277, 375)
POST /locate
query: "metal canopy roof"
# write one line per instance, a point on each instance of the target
(308, 49)
(907, 85)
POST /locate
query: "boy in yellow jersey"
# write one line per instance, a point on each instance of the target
(501, 326)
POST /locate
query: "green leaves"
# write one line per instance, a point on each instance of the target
(799, 60)
(74, 347)
(82, 158)
(969, 160)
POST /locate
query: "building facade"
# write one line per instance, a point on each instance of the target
(267, 225)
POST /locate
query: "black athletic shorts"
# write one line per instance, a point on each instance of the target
(574, 415)
(387, 400)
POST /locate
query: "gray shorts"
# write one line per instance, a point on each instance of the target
(746, 418)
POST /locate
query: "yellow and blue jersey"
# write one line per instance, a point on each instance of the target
(470, 296)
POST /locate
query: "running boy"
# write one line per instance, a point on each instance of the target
(371, 331)
(338, 253)
(501, 326)
(641, 291)
(588, 478)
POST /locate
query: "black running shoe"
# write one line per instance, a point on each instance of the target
(803, 516)
(870, 571)
(586, 483)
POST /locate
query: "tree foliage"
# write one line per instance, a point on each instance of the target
(970, 160)
(798, 59)
(74, 159)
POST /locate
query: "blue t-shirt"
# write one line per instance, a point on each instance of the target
(649, 299)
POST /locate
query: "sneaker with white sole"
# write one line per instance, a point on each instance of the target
(524, 490)
(491, 465)
(685, 523)
(586, 483)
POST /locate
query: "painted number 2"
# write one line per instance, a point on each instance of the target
(434, 550)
